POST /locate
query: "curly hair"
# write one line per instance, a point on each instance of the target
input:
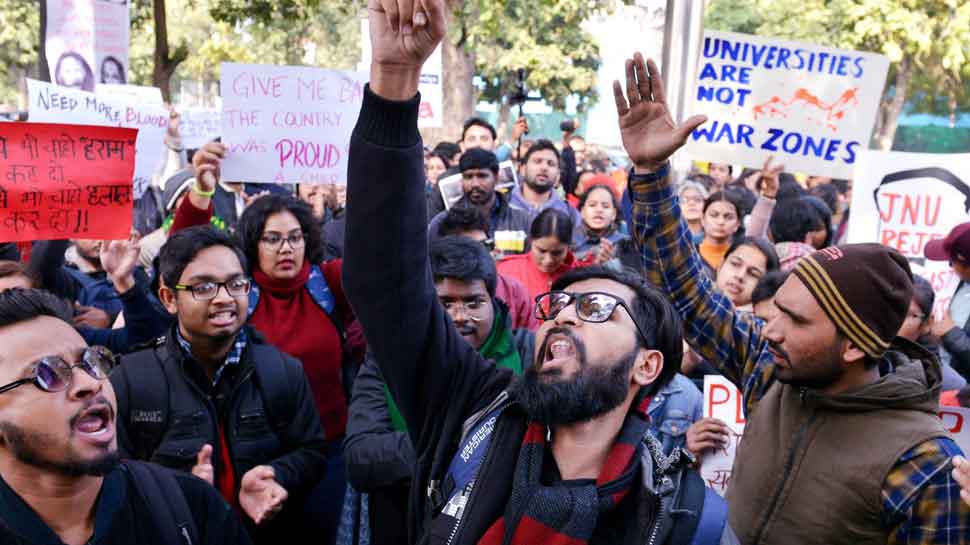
(253, 221)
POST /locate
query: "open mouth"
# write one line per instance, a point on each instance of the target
(95, 423)
(558, 350)
(223, 317)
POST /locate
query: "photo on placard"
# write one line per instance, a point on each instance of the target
(507, 179)
(451, 190)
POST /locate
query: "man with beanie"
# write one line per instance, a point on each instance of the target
(954, 329)
(842, 443)
(509, 226)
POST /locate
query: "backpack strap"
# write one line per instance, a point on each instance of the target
(165, 501)
(148, 398)
(699, 514)
(713, 519)
(272, 373)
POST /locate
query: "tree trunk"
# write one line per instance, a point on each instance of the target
(952, 104)
(44, 72)
(165, 61)
(888, 118)
(504, 115)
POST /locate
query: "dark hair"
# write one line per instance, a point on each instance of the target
(552, 222)
(253, 221)
(445, 159)
(703, 179)
(478, 122)
(616, 202)
(19, 305)
(728, 197)
(462, 259)
(121, 69)
(824, 214)
(768, 285)
(541, 145)
(449, 149)
(462, 219)
(652, 313)
(88, 83)
(923, 295)
(13, 268)
(788, 187)
(746, 198)
(729, 166)
(766, 248)
(828, 194)
(792, 220)
(182, 247)
(478, 158)
(840, 185)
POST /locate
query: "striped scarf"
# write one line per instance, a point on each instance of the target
(567, 514)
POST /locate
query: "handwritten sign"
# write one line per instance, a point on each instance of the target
(133, 93)
(87, 42)
(722, 400)
(288, 124)
(199, 125)
(65, 181)
(811, 107)
(51, 104)
(956, 420)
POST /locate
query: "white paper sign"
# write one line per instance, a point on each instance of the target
(288, 124)
(199, 126)
(52, 104)
(87, 42)
(956, 420)
(811, 107)
(133, 93)
(722, 400)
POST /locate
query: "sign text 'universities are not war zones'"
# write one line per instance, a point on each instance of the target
(52, 104)
(288, 124)
(65, 181)
(811, 107)
(722, 400)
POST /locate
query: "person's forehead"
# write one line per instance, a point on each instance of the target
(602, 285)
(548, 243)
(455, 287)
(477, 172)
(28, 341)
(213, 262)
(750, 256)
(600, 194)
(478, 131)
(543, 155)
(281, 221)
(721, 206)
(793, 295)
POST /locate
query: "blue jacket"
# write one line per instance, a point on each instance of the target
(678, 405)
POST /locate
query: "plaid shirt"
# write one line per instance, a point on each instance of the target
(232, 358)
(921, 500)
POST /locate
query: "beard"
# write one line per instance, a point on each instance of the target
(537, 186)
(818, 372)
(32, 448)
(594, 391)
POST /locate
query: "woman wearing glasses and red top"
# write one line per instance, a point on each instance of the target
(297, 302)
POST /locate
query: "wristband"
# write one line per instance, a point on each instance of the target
(651, 177)
(198, 191)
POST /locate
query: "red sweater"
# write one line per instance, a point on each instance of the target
(522, 268)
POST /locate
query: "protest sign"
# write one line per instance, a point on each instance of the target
(86, 42)
(722, 400)
(199, 125)
(288, 124)
(956, 420)
(51, 104)
(811, 107)
(452, 190)
(65, 181)
(136, 94)
(431, 112)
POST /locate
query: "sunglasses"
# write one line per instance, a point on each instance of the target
(594, 307)
(53, 374)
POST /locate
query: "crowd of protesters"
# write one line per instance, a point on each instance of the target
(372, 364)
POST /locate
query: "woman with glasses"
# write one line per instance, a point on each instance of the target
(692, 196)
(297, 302)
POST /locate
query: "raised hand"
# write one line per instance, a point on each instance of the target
(403, 34)
(92, 317)
(206, 163)
(606, 252)
(119, 259)
(646, 127)
(260, 496)
(707, 434)
(961, 472)
(769, 178)
(203, 465)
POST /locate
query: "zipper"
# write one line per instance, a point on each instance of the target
(799, 437)
(227, 434)
(475, 488)
(663, 501)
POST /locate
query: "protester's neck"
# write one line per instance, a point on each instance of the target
(711, 241)
(65, 504)
(209, 352)
(852, 380)
(535, 197)
(695, 226)
(88, 265)
(487, 207)
(581, 450)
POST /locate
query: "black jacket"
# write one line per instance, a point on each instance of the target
(437, 379)
(957, 343)
(9, 252)
(333, 236)
(123, 518)
(237, 404)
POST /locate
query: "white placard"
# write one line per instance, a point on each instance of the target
(288, 124)
(956, 420)
(87, 42)
(53, 104)
(722, 400)
(811, 107)
(199, 125)
(133, 93)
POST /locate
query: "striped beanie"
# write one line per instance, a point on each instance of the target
(865, 289)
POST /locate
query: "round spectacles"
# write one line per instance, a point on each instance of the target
(472, 309)
(204, 291)
(53, 374)
(594, 307)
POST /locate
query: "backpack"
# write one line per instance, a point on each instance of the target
(148, 393)
(165, 501)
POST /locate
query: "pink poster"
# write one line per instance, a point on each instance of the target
(87, 42)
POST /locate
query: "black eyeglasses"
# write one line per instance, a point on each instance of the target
(204, 291)
(53, 374)
(594, 307)
(275, 240)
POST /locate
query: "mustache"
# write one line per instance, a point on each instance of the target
(580, 347)
(777, 349)
(100, 400)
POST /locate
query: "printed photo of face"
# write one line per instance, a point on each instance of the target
(112, 71)
(73, 71)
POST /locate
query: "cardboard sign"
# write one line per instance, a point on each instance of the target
(87, 42)
(811, 107)
(65, 181)
(52, 104)
(956, 420)
(288, 124)
(722, 400)
(138, 94)
(199, 126)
